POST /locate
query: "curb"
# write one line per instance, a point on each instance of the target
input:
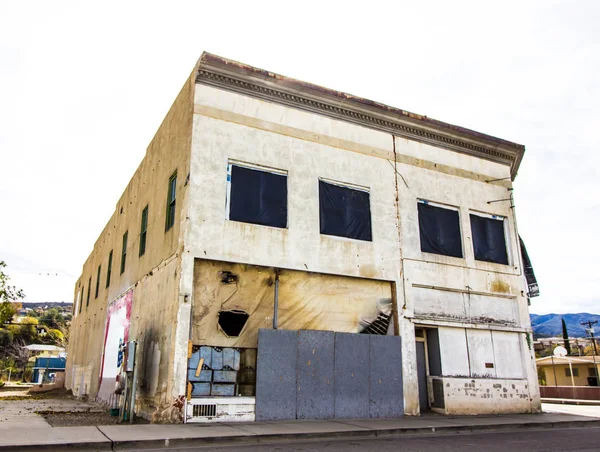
(400, 431)
(252, 439)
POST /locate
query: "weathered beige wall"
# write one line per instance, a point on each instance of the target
(470, 396)
(153, 276)
(307, 301)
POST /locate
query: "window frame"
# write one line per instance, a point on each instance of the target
(350, 186)
(460, 226)
(124, 251)
(255, 167)
(575, 372)
(143, 231)
(170, 211)
(505, 225)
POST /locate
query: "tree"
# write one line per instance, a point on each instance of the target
(566, 336)
(9, 297)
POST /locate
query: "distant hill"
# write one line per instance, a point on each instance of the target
(51, 304)
(550, 325)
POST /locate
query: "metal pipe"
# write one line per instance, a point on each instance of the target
(133, 379)
(276, 301)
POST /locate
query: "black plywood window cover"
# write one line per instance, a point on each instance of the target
(489, 242)
(344, 212)
(258, 197)
(439, 230)
(533, 288)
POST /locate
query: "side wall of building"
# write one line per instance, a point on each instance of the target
(153, 277)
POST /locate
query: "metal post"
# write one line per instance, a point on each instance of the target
(133, 378)
(554, 370)
(571, 370)
(276, 301)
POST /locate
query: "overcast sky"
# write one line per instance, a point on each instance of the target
(85, 85)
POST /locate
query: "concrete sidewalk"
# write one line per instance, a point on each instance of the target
(154, 436)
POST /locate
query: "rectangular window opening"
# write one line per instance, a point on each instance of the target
(344, 211)
(568, 372)
(81, 304)
(489, 238)
(171, 201)
(143, 231)
(98, 281)
(439, 230)
(87, 302)
(124, 252)
(257, 196)
(109, 270)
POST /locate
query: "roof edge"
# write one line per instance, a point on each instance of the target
(239, 77)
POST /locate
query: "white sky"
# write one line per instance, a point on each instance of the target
(84, 86)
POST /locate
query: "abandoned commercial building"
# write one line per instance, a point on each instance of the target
(286, 251)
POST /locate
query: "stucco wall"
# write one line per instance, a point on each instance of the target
(434, 290)
(464, 396)
(154, 276)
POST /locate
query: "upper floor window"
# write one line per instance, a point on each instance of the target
(124, 252)
(344, 211)
(143, 231)
(87, 301)
(109, 269)
(98, 281)
(489, 238)
(439, 230)
(257, 196)
(171, 198)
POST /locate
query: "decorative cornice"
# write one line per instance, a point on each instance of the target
(233, 76)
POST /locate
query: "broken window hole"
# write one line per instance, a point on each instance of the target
(232, 322)
(228, 277)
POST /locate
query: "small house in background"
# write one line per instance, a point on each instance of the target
(46, 369)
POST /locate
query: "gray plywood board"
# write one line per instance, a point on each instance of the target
(385, 388)
(276, 375)
(315, 375)
(351, 375)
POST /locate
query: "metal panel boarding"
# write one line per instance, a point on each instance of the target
(276, 365)
(314, 373)
(324, 375)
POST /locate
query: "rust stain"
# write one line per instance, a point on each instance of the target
(500, 286)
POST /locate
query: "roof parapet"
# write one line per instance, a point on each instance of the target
(231, 75)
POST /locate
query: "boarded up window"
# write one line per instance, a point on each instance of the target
(344, 212)
(489, 242)
(439, 230)
(258, 197)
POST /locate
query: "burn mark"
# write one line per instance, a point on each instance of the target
(228, 277)
(232, 322)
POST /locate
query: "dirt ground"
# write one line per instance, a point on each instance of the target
(58, 408)
(62, 419)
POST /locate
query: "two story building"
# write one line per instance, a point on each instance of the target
(288, 251)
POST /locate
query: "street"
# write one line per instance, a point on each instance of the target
(569, 439)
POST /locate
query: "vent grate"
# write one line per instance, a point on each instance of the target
(204, 411)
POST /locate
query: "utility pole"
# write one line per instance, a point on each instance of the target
(590, 327)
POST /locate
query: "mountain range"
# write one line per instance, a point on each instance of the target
(550, 325)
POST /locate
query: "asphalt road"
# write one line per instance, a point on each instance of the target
(569, 439)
